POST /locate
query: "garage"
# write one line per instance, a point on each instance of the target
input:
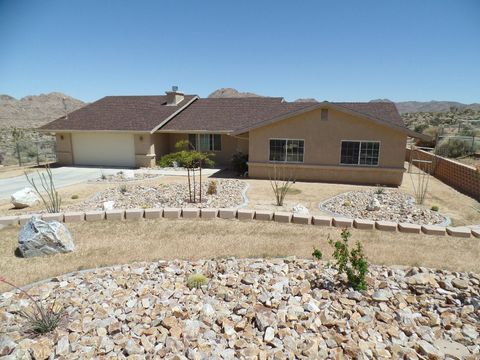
(103, 149)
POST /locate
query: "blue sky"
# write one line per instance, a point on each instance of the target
(330, 50)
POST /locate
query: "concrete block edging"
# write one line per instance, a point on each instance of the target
(246, 214)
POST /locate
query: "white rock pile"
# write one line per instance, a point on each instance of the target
(250, 309)
(229, 194)
(391, 205)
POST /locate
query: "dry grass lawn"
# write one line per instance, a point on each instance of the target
(108, 243)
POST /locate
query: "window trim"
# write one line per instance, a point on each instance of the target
(285, 161)
(197, 140)
(359, 152)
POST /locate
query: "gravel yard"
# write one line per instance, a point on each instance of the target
(229, 194)
(392, 205)
(277, 308)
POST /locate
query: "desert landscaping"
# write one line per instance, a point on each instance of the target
(161, 262)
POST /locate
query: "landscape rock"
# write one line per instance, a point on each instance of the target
(229, 195)
(391, 205)
(108, 205)
(300, 209)
(252, 309)
(24, 198)
(38, 238)
(373, 204)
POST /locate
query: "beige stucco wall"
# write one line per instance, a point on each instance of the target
(322, 142)
(161, 143)
(144, 150)
(64, 148)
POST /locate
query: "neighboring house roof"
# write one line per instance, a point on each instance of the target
(120, 113)
(230, 114)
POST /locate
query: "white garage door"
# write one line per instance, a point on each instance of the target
(103, 149)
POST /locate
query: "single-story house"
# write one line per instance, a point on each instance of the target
(317, 141)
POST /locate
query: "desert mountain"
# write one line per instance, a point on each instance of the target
(402, 106)
(35, 110)
(231, 93)
(430, 106)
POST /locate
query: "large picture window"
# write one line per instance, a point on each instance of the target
(360, 153)
(286, 150)
(206, 142)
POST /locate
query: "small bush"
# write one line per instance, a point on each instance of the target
(351, 262)
(52, 200)
(212, 187)
(123, 189)
(380, 190)
(434, 208)
(317, 254)
(347, 203)
(42, 320)
(75, 197)
(169, 159)
(294, 191)
(196, 281)
(239, 163)
(454, 148)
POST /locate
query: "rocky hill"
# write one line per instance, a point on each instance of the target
(430, 106)
(231, 93)
(35, 110)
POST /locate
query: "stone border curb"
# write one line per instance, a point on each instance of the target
(247, 214)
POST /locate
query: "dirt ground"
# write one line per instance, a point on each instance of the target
(460, 208)
(109, 243)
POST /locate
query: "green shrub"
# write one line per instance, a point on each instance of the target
(434, 208)
(380, 190)
(169, 159)
(122, 189)
(347, 203)
(454, 148)
(75, 197)
(212, 187)
(239, 163)
(317, 254)
(351, 262)
(196, 281)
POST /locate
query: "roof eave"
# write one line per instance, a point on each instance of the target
(165, 121)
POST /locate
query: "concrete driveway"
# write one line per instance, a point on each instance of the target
(63, 176)
(66, 176)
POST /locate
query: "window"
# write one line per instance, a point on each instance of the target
(360, 153)
(206, 142)
(286, 150)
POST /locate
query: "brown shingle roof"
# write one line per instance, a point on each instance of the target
(230, 114)
(127, 113)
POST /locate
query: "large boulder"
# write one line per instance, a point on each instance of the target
(38, 238)
(24, 198)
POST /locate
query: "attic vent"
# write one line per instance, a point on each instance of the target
(324, 115)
